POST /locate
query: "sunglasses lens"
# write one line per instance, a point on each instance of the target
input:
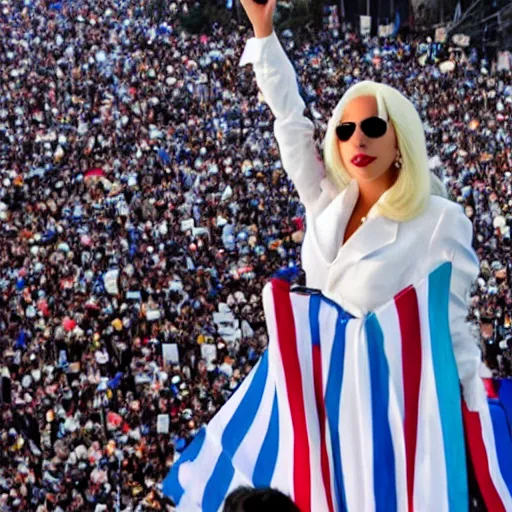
(374, 127)
(345, 130)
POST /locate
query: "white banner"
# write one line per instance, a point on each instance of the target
(152, 315)
(223, 318)
(440, 36)
(386, 30)
(229, 331)
(200, 231)
(461, 40)
(170, 353)
(110, 281)
(208, 352)
(187, 224)
(162, 424)
(447, 66)
(366, 25)
(504, 61)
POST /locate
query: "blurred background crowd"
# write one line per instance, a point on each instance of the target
(142, 209)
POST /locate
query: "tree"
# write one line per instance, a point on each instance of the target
(302, 13)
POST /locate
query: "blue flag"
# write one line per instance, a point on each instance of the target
(116, 381)
(21, 341)
(397, 24)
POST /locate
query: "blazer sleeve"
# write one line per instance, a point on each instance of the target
(277, 81)
(452, 241)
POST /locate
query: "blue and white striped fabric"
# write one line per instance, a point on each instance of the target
(347, 414)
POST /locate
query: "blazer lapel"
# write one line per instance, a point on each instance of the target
(375, 234)
(329, 225)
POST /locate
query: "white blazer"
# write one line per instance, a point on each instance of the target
(383, 256)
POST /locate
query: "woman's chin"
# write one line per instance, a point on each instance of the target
(368, 174)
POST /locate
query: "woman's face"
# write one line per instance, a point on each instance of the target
(381, 150)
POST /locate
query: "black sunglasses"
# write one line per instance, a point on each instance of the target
(373, 127)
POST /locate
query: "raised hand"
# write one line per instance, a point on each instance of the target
(260, 13)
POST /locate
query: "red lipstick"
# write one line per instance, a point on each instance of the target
(363, 160)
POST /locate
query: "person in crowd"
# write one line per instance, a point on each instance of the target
(246, 499)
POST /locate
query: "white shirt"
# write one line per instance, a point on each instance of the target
(383, 256)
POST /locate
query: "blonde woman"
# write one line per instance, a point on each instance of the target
(374, 223)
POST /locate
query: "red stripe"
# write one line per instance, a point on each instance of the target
(293, 377)
(320, 406)
(490, 388)
(407, 306)
(480, 461)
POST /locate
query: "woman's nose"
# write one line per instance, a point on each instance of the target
(360, 139)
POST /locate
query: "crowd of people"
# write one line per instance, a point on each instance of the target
(142, 198)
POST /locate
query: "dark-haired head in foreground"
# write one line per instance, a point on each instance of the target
(246, 499)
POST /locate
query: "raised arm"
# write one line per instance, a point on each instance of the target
(277, 81)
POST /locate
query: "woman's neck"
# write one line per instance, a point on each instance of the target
(371, 191)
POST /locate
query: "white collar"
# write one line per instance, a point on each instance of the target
(329, 226)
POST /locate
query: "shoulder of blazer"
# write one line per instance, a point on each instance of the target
(441, 209)
(442, 205)
(439, 215)
(448, 220)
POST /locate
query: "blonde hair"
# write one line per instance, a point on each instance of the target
(410, 194)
